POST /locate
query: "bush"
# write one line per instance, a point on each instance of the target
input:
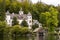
(24, 23)
(20, 30)
(35, 26)
(14, 22)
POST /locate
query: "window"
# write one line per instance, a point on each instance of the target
(30, 17)
(9, 21)
(30, 25)
(30, 21)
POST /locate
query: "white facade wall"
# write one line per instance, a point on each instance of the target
(10, 22)
(20, 21)
(21, 12)
(8, 19)
(29, 24)
(29, 21)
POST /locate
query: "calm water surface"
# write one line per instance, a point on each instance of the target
(41, 37)
(49, 37)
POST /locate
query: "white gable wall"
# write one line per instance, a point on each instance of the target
(20, 21)
(29, 21)
(8, 19)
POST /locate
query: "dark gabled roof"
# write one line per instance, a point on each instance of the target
(23, 16)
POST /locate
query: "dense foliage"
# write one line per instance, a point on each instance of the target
(49, 19)
(24, 23)
(11, 32)
(48, 15)
(15, 22)
(35, 26)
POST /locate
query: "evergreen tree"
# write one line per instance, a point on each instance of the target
(24, 24)
(2, 10)
(35, 26)
(14, 22)
(2, 26)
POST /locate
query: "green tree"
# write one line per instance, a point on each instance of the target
(24, 31)
(14, 6)
(24, 23)
(7, 5)
(2, 10)
(25, 6)
(35, 26)
(14, 22)
(58, 8)
(49, 19)
(7, 31)
(18, 30)
(15, 31)
(37, 9)
(2, 26)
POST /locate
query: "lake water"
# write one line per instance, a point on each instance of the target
(49, 37)
(40, 37)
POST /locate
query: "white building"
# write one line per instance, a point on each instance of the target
(20, 17)
(37, 22)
